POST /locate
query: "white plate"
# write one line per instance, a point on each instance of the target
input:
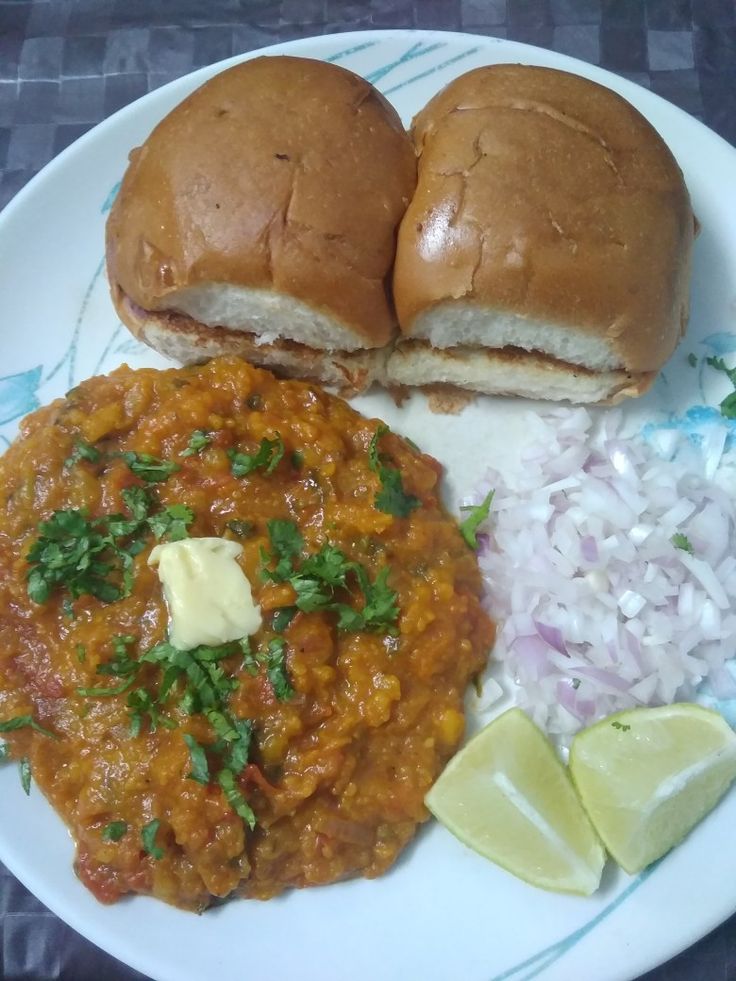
(442, 912)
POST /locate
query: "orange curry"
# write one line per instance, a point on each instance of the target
(327, 729)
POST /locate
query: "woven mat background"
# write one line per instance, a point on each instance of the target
(67, 64)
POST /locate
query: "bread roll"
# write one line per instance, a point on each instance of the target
(547, 248)
(259, 218)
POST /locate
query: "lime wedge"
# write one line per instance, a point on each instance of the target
(647, 776)
(507, 795)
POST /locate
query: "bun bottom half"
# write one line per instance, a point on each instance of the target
(510, 371)
(188, 341)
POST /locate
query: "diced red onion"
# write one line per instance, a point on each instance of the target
(583, 574)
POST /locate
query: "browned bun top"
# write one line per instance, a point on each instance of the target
(280, 173)
(548, 196)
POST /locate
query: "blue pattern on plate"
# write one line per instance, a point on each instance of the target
(533, 966)
(18, 394)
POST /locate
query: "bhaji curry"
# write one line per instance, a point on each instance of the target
(296, 757)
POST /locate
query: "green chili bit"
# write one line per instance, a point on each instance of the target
(478, 514)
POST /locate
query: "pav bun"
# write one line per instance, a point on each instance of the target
(259, 218)
(549, 236)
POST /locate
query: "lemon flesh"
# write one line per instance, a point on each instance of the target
(646, 777)
(507, 795)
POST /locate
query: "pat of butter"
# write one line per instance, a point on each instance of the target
(208, 594)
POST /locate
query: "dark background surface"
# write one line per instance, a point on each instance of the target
(67, 64)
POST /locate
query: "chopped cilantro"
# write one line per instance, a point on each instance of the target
(282, 618)
(682, 542)
(234, 797)
(141, 704)
(243, 529)
(392, 498)
(81, 653)
(576, 683)
(286, 544)
(23, 722)
(276, 669)
(4, 752)
(122, 664)
(692, 360)
(138, 501)
(24, 768)
(239, 751)
(380, 610)
(478, 514)
(150, 468)
(72, 552)
(200, 768)
(728, 405)
(620, 725)
(148, 837)
(266, 458)
(197, 442)
(114, 831)
(172, 522)
(322, 574)
(106, 692)
(82, 451)
(297, 460)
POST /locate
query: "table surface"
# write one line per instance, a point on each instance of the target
(67, 64)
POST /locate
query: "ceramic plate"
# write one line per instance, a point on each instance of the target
(442, 912)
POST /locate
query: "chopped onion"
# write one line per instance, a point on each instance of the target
(598, 608)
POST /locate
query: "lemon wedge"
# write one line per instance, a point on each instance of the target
(647, 776)
(507, 795)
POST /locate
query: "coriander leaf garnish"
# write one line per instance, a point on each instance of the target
(23, 722)
(728, 405)
(150, 468)
(138, 501)
(200, 768)
(286, 544)
(148, 837)
(114, 831)
(106, 692)
(197, 442)
(243, 529)
(81, 653)
(392, 498)
(692, 360)
(70, 551)
(234, 797)
(478, 514)
(682, 542)
(172, 522)
(620, 725)
(239, 751)
(82, 451)
(266, 458)
(276, 669)
(122, 664)
(321, 575)
(381, 610)
(141, 703)
(24, 769)
(282, 618)
(297, 460)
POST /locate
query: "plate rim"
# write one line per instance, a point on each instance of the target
(75, 917)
